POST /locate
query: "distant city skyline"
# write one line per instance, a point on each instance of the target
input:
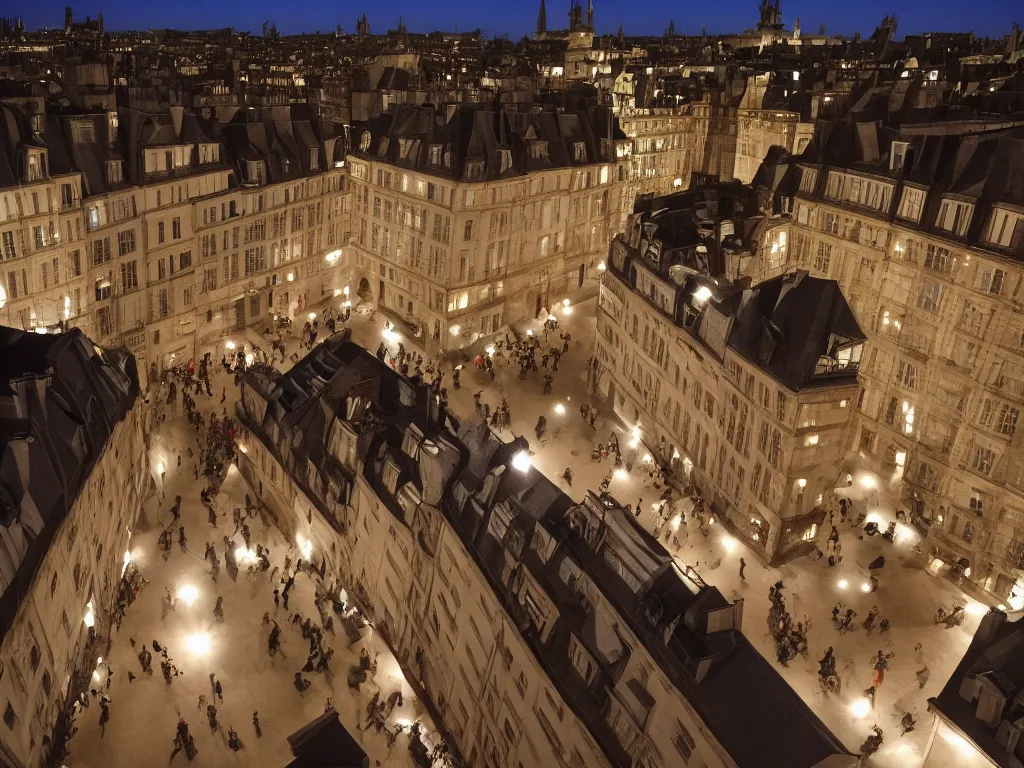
(992, 18)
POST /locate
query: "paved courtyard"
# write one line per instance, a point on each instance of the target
(142, 713)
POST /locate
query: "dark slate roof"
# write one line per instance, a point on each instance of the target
(325, 743)
(75, 394)
(996, 652)
(292, 414)
(806, 318)
(477, 132)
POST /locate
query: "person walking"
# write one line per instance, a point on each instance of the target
(181, 538)
(256, 725)
(743, 565)
(218, 609)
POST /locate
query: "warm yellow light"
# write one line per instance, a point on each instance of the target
(860, 708)
(729, 543)
(842, 584)
(560, 409)
(312, 316)
(242, 448)
(702, 294)
(647, 458)
(198, 643)
(620, 474)
(565, 302)
(291, 277)
(89, 619)
(601, 267)
(188, 594)
(245, 555)
(529, 332)
(490, 350)
(566, 310)
(521, 461)
(802, 482)
(865, 587)
(230, 345)
(454, 330)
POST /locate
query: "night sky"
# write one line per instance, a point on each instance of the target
(647, 17)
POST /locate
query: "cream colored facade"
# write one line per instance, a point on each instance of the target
(426, 594)
(762, 455)
(663, 148)
(942, 375)
(47, 655)
(169, 269)
(758, 129)
(461, 260)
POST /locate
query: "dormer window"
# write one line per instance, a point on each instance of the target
(405, 148)
(208, 153)
(955, 216)
(314, 159)
(538, 150)
(504, 160)
(85, 132)
(579, 149)
(114, 172)
(254, 171)
(383, 149)
(364, 142)
(474, 170)
(35, 165)
(435, 154)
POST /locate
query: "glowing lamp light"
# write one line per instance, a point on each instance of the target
(676, 521)
(976, 609)
(188, 594)
(868, 482)
(312, 316)
(647, 458)
(249, 358)
(711, 521)
(242, 448)
(601, 267)
(865, 587)
(802, 482)
(305, 545)
(521, 461)
(560, 409)
(565, 302)
(230, 345)
(345, 290)
(634, 443)
(860, 708)
(620, 474)
(198, 643)
(729, 543)
(842, 584)
(390, 335)
(99, 660)
(454, 330)
(127, 560)
(89, 619)
(291, 277)
(636, 433)
(245, 555)
(161, 467)
(490, 350)
(702, 294)
(566, 310)
(529, 332)
(404, 722)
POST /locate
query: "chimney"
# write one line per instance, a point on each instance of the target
(176, 115)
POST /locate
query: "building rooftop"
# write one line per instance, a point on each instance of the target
(675, 253)
(60, 399)
(983, 697)
(567, 573)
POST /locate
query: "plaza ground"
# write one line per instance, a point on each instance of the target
(142, 713)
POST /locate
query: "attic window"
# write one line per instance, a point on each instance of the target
(579, 149)
(767, 347)
(314, 159)
(538, 150)
(85, 132)
(435, 154)
(364, 141)
(114, 172)
(383, 148)
(404, 148)
(254, 171)
(474, 170)
(505, 158)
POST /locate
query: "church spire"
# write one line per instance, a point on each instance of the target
(542, 19)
